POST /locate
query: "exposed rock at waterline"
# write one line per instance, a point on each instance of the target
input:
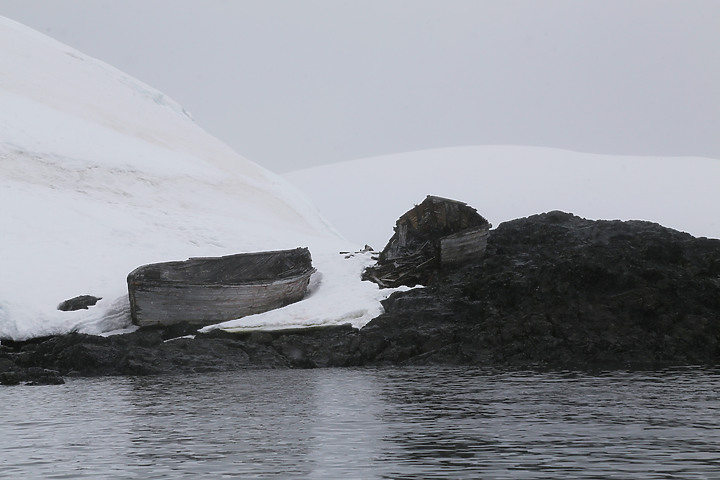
(556, 289)
(180, 349)
(552, 290)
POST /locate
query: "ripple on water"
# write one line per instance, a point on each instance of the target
(367, 423)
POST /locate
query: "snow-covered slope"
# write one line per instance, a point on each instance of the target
(100, 173)
(363, 198)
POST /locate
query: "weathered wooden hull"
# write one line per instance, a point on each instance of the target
(464, 245)
(204, 291)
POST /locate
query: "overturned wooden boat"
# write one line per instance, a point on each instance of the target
(211, 290)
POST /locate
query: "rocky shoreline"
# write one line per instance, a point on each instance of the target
(552, 291)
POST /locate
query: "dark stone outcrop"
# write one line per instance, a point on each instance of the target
(558, 290)
(11, 374)
(552, 290)
(177, 349)
(81, 302)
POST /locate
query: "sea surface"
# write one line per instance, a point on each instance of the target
(394, 423)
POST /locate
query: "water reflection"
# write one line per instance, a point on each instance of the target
(487, 424)
(224, 423)
(62, 432)
(367, 423)
(347, 437)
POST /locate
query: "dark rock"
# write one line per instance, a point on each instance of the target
(10, 345)
(144, 352)
(30, 376)
(43, 376)
(6, 365)
(556, 289)
(81, 302)
(263, 338)
(11, 378)
(177, 330)
(335, 346)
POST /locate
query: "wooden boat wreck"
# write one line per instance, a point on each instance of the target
(211, 290)
(438, 233)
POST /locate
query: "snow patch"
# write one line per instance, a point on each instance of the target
(100, 173)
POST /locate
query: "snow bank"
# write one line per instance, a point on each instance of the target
(100, 173)
(366, 196)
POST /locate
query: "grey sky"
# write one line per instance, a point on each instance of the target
(292, 83)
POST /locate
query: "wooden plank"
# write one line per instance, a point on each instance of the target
(462, 246)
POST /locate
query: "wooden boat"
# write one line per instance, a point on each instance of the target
(211, 290)
(436, 234)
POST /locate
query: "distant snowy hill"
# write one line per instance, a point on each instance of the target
(363, 198)
(100, 173)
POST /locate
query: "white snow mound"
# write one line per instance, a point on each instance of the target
(100, 173)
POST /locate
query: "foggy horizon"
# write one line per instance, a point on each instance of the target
(291, 85)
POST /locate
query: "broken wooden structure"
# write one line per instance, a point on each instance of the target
(435, 234)
(210, 290)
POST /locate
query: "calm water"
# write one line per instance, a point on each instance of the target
(367, 423)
